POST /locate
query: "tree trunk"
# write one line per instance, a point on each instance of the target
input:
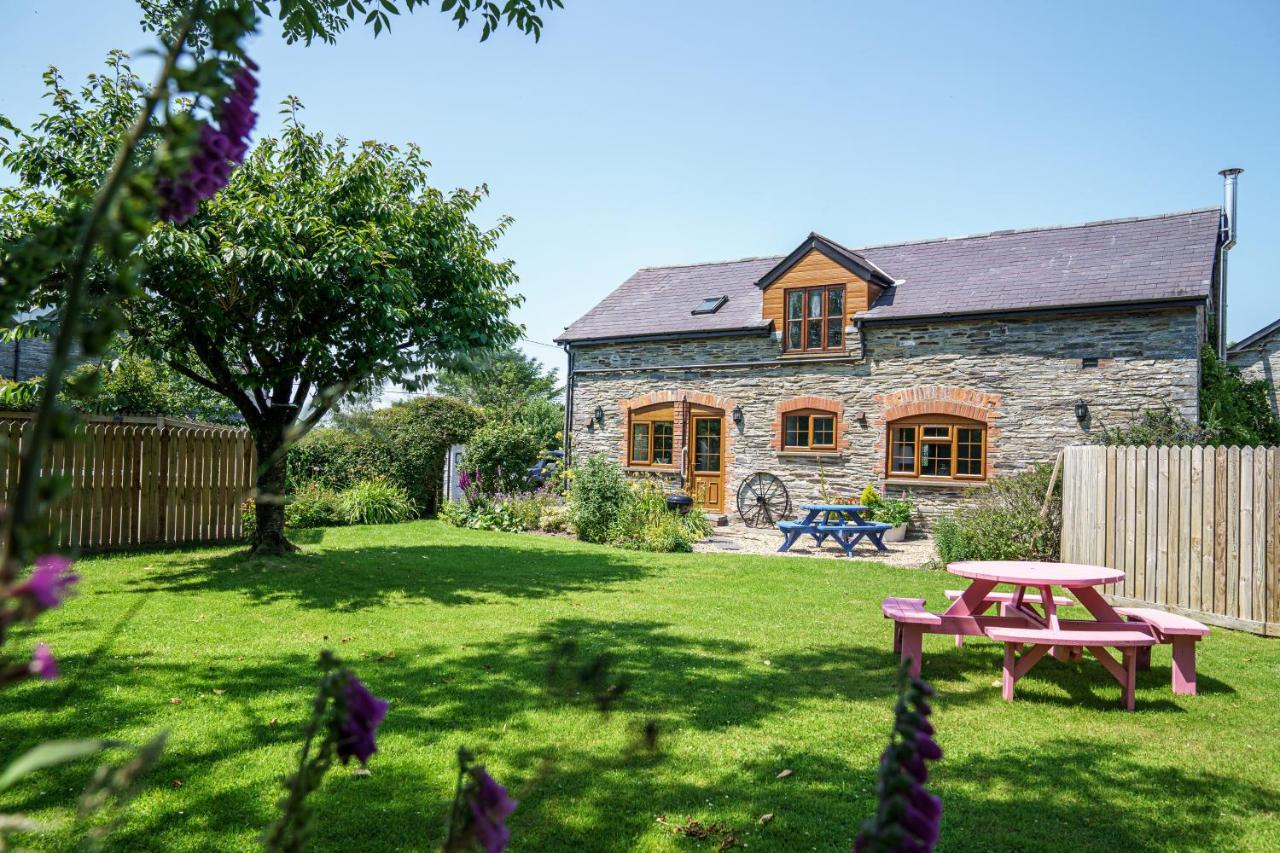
(269, 538)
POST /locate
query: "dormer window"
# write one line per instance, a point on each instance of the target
(815, 319)
(710, 305)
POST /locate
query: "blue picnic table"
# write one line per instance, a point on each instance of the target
(842, 522)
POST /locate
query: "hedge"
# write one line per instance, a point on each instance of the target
(404, 444)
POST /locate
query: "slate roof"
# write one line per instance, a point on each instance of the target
(1256, 338)
(1117, 261)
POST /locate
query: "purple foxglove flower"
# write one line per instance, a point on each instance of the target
(49, 583)
(490, 807)
(219, 149)
(362, 714)
(43, 664)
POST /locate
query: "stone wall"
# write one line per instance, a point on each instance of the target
(1021, 377)
(1262, 361)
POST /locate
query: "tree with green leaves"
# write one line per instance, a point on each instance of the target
(319, 269)
(134, 384)
(497, 379)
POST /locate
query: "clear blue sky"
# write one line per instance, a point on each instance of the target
(666, 131)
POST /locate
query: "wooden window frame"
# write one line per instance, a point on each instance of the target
(809, 445)
(804, 318)
(953, 425)
(651, 416)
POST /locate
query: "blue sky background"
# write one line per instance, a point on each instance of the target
(667, 131)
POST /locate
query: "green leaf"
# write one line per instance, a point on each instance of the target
(51, 754)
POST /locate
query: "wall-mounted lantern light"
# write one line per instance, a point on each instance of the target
(737, 416)
(1082, 411)
(599, 415)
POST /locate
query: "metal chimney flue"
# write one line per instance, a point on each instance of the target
(1227, 239)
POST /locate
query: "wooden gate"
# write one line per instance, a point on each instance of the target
(142, 481)
(1196, 530)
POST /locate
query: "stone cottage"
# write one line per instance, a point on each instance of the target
(929, 367)
(1258, 357)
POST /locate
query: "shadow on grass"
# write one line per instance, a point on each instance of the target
(362, 577)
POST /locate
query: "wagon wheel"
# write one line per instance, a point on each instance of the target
(763, 500)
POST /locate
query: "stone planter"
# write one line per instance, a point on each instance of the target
(897, 533)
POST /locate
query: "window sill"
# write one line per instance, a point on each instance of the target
(833, 355)
(825, 455)
(649, 469)
(926, 482)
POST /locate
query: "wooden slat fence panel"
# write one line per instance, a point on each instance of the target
(1196, 530)
(144, 481)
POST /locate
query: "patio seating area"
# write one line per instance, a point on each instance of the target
(1029, 627)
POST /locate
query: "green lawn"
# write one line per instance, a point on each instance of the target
(749, 665)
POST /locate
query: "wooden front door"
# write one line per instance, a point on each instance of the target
(706, 461)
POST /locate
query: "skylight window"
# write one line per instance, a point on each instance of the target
(710, 305)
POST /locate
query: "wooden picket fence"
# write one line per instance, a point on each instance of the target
(1196, 530)
(142, 481)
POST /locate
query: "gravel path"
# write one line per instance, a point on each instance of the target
(740, 539)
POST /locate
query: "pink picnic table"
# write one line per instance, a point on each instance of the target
(1029, 617)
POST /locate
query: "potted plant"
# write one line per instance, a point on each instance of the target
(898, 512)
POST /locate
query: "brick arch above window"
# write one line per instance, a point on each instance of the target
(809, 403)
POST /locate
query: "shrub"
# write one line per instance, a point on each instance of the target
(376, 501)
(598, 491)
(313, 505)
(895, 511)
(555, 518)
(1004, 521)
(502, 452)
(1154, 428)
(644, 523)
(138, 385)
(404, 444)
(249, 519)
(1234, 410)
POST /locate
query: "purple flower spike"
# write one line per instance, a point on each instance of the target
(219, 149)
(490, 807)
(50, 581)
(364, 712)
(43, 664)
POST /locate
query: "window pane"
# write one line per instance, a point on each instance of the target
(795, 304)
(835, 332)
(937, 432)
(824, 432)
(639, 442)
(794, 330)
(935, 460)
(835, 302)
(797, 431)
(968, 452)
(663, 442)
(815, 303)
(904, 450)
(815, 335)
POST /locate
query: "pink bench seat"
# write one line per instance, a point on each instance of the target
(909, 622)
(1178, 631)
(1079, 635)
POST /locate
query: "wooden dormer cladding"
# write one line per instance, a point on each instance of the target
(817, 266)
(812, 270)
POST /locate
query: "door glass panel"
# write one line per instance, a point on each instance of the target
(815, 303)
(706, 445)
(663, 442)
(935, 460)
(797, 431)
(904, 450)
(639, 442)
(795, 304)
(835, 302)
